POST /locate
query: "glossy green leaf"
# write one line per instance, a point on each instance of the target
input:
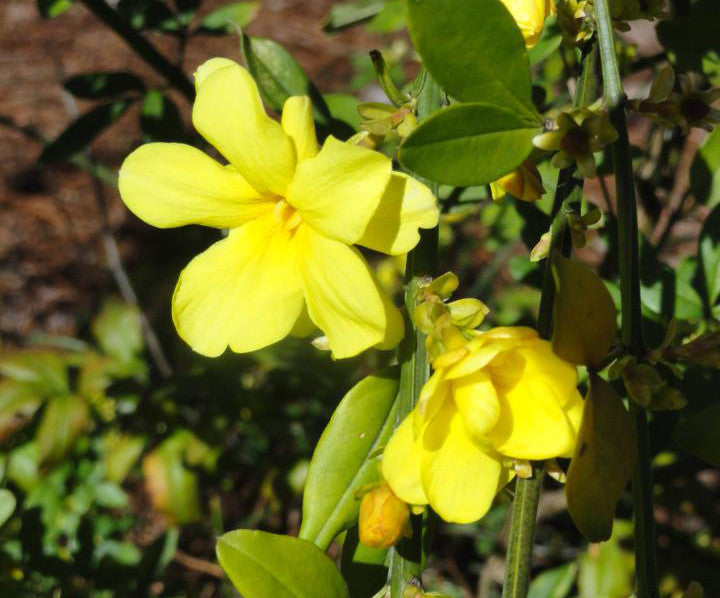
(49, 9)
(390, 19)
(699, 434)
(344, 107)
(709, 253)
(554, 583)
(160, 118)
(7, 505)
(474, 50)
(469, 144)
(603, 462)
(22, 466)
(363, 568)
(263, 565)
(63, 420)
(104, 85)
(346, 14)
(118, 330)
(230, 17)
(584, 316)
(279, 76)
(81, 132)
(345, 457)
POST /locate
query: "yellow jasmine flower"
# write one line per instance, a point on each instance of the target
(523, 183)
(503, 397)
(294, 211)
(530, 17)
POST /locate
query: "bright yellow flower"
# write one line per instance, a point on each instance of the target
(530, 17)
(294, 212)
(505, 396)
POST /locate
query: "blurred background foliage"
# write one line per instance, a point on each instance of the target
(123, 455)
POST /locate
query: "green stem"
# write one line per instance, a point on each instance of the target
(631, 319)
(407, 559)
(141, 46)
(527, 490)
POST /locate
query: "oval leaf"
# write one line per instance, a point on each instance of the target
(94, 86)
(469, 144)
(7, 505)
(279, 76)
(585, 320)
(82, 131)
(229, 18)
(699, 434)
(343, 459)
(474, 50)
(64, 419)
(603, 462)
(263, 565)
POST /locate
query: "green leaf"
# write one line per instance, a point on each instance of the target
(390, 19)
(474, 50)
(7, 505)
(469, 144)
(705, 171)
(584, 316)
(344, 457)
(110, 495)
(160, 118)
(120, 453)
(548, 43)
(263, 565)
(606, 571)
(603, 462)
(81, 132)
(63, 420)
(118, 330)
(49, 9)
(699, 51)
(346, 14)
(709, 253)
(229, 18)
(44, 371)
(279, 76)
(699, 434)
(22, 466)
(554, 583)
(363, 568)
(100, 86)
(18, 403)
(344, 107)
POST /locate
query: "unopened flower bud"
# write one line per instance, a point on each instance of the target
(383, 518)
(523, 183)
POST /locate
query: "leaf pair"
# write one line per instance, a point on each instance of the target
(476, 53)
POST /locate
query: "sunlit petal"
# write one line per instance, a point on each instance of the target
(297, 122)
(228, 112)
(343, 298)
(338, 191)
(172, 184)
(244, 291)
(401, 464)
(405, 206)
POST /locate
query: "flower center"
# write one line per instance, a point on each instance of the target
(576, 142)
(694, 109)
(287, 216)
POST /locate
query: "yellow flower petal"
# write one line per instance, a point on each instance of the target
(477, 402)
(244, 291)
(172, 184)
(338, 191)
(228, 112)
(401, 464)
(405, 206)
(297, 122)
(343, 298)
(460, 479)
(532, 423)
(208, 67)
(432, 396)
(540, 360)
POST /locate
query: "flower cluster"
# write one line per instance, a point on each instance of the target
(295, 211)
(503, 397)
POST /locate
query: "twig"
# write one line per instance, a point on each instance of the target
(195, 564)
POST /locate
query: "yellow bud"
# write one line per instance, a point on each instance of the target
(523, 183)
(383, 518)
(468, 312)
(443, 286)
